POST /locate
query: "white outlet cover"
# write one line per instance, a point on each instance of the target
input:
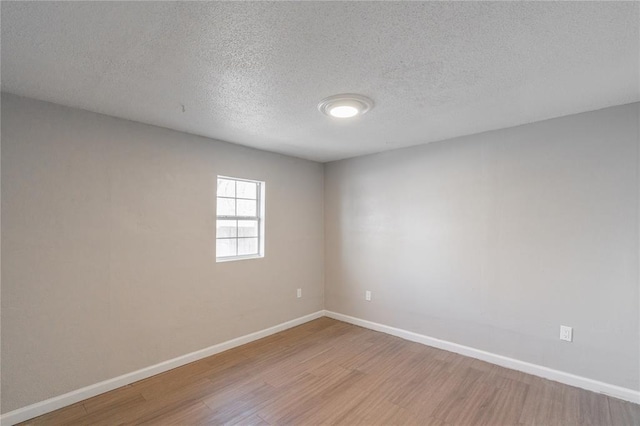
(566, 333)
(299, 293)
(367, 296)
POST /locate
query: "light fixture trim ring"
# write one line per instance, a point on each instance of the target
(362, 103)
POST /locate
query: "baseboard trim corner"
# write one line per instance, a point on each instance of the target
(55, 403)
(503, 361)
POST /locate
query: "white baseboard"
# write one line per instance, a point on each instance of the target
(52, 404)
(503, 361)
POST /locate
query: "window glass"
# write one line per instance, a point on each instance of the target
(247, 190)
(239, 225)
(226, 206)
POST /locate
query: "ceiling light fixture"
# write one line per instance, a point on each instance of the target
(346, 105)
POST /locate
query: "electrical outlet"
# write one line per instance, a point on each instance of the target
(566, 333)
(367, 296)
(299, 293)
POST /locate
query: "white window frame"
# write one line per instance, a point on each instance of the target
(260, 209)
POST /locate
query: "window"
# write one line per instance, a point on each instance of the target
(240, 219)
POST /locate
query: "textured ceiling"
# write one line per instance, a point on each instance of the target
(253, 73)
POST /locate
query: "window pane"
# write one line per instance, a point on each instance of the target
(226, 188)
(225, 248)
(247, 190)
(247, 246)
(227, 228)
(247, 208)
(235, 199)
(226, 207)
(247, 228)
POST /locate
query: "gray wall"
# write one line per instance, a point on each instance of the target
(495, 240)
(108, 231)
(491, 241)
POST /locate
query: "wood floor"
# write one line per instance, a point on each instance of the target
(331, 372)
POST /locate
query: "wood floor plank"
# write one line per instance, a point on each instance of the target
(292, 406)
(417, 380)
(190, 414)
(112, 400)
(330, 372)
(464, 398)
(316, 408)
(624, 413)
(222, 397)
(371, 411)
(252, 420)
(594, 409)
(543, 404)
(244, 406)
(505, 406)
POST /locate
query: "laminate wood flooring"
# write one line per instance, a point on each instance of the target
(330, 372)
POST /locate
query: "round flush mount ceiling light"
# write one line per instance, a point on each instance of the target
(346, 105)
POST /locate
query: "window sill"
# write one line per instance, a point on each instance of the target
(234, 258)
